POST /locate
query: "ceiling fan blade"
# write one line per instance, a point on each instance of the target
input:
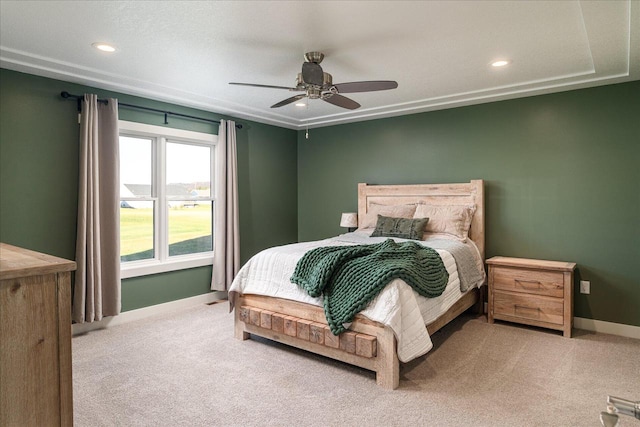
(312, 73)
(342, 101)
(369, 86)
(289, 100)
(267, 86)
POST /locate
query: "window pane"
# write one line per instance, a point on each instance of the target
(135, 167)
(190, 227)
(136, 230)
(188, 170)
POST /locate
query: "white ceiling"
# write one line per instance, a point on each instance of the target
(439, 52)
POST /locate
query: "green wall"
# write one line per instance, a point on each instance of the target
(39, 179)
(561, 171)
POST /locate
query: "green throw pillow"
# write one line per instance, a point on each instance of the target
(405, 228)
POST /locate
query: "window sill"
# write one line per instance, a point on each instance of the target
(144, 268)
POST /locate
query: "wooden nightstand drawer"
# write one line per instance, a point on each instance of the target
(541, 309)
(548, 283)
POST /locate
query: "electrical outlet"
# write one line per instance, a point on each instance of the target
(585, 287)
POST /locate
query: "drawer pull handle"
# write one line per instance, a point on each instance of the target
(517, 306)
(524, 282)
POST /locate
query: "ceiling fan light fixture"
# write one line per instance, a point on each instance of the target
(316, 84)
(105, 47)
(500, 63)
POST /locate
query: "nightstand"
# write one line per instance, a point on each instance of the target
(532, 292)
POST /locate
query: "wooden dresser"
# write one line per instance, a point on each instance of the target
(532, 292)
(35, 339)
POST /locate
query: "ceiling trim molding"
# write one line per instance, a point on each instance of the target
(476, 100)
(600, 72)
(47, 68)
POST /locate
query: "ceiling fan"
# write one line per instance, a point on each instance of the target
(316, 84)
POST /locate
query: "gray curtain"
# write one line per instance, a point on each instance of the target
(97, 279)
(226, 251)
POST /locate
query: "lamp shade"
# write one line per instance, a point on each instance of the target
(349, 219)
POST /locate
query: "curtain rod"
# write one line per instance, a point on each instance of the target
(79, 98)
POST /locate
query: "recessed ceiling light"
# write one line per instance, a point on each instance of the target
(300, 104)
(500, 63)
(104, 47)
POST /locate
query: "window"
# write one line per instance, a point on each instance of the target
(167, 198)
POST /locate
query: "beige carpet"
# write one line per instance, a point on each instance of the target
(186, 369)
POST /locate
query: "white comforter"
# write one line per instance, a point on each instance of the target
(397, 306)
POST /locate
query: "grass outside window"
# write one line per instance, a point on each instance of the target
(189, 231)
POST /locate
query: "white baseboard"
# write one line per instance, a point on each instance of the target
(620, 329)
(142, 313)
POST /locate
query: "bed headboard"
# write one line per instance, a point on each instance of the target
(437, 194)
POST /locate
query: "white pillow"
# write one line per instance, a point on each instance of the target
(395, 211)
(452, 220)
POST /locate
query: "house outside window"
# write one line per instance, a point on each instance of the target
(167, 199)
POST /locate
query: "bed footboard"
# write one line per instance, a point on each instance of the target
(367, 344)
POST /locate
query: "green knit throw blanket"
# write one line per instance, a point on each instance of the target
(350, 277)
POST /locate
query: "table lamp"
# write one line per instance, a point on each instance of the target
(349, 220)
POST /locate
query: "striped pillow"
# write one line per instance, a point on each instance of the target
(405, 228)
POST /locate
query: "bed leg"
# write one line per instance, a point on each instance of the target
(480, 303)
(389, 378)
(388, 372)
(238, 327)
(241, 335)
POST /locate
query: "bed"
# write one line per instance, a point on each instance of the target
(373, 341)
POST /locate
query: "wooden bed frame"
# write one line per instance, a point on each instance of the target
(367, 344)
